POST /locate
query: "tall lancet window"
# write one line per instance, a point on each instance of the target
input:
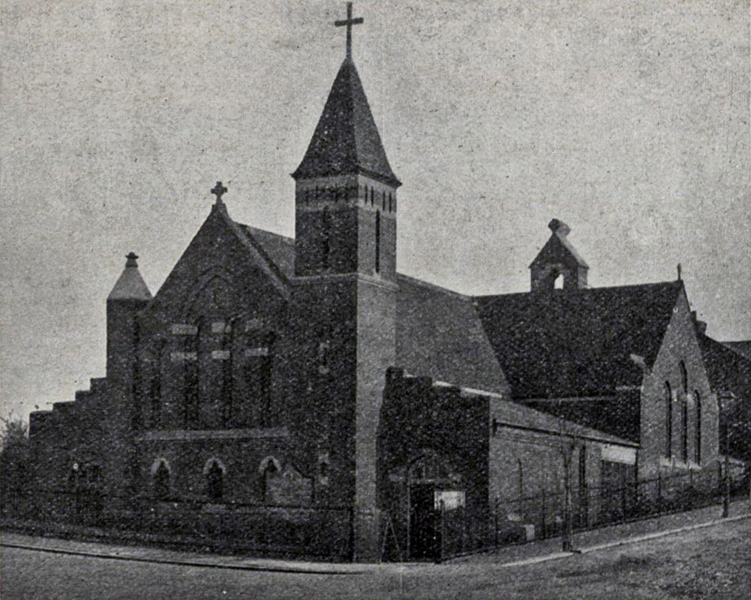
(257, 378)
(378, 242)
(226, 353)
(191, 379)
(684, 411)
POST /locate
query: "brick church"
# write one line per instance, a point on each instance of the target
(297, 380)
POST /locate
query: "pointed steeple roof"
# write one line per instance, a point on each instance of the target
(130, 285)
(346, 140)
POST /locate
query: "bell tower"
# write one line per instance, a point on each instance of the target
(344, 296)
(345, 199)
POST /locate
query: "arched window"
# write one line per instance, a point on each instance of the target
(372, 197)
(162, 482)
(270, 469)
(257, 376)
(226, 344)
(558, 282)
(378, 242)
(697, 428)
(668, 420)
(684, 429)
(215, 481)
(191, 379)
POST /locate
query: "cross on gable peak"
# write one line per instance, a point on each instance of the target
(219, 190)
(348, 23)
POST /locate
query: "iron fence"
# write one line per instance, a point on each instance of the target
(316, 531)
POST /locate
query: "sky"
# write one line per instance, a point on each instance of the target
(627, 119)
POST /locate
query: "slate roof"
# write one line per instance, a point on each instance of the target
(726, 368)
(438, 333)
(280, 249)
(523, 416)
(346, 140)
(567, 343)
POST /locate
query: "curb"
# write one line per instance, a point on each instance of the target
(183, 563)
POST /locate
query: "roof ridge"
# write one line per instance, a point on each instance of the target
(433, 286)
(254, 229)
(675, 282)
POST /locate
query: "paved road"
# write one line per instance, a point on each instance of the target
(713, 562)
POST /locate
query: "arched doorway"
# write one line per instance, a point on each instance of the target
(435, 505)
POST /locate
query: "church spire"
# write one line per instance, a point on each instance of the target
(346, 140)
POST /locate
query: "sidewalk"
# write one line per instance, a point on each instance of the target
(540, 551)
(614, 535)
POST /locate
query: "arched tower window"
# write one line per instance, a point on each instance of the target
(378, 242)
(697, 428)
(668, 420)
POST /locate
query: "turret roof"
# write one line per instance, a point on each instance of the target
(130, 285)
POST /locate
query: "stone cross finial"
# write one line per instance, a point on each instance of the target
(218, 191)
(348, 22)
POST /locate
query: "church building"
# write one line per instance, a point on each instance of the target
(303, 396)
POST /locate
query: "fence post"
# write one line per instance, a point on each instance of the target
(442, 528)
(659, 492)
(352, 526)
(726, 490)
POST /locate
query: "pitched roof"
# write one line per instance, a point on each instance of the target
(280, 249)
(439, 335)
(726, 368)
(566, 343)
(438, 332)
(346, 140)
(130, 285)
(558, 245)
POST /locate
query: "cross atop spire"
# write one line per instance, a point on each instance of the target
(348, 23)
(218, 191)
